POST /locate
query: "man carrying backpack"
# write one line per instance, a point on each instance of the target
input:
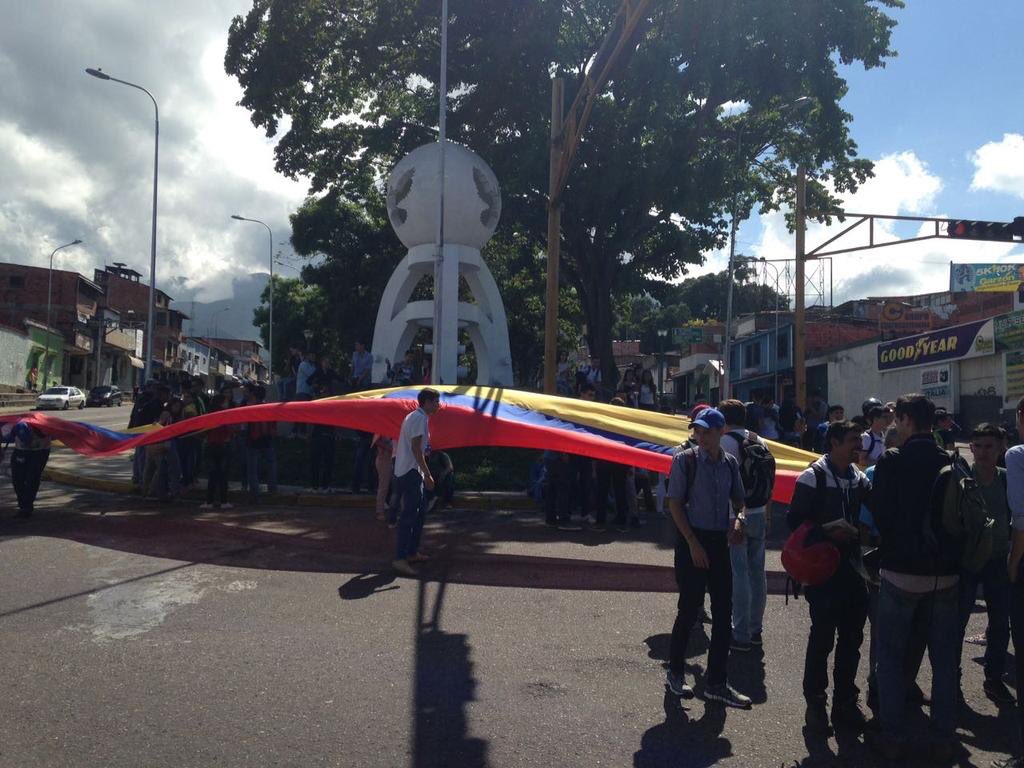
(835, 413)
(749, 583)
(706, 498)
(829, 495)
(872, 442)
(986, 444)
(920, 567)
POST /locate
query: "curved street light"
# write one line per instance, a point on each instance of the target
(49, 302)
(101, 75)
(270, 330)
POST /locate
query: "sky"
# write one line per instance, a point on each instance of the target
(944, 123)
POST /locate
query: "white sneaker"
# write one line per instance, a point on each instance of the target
(206, 505)
(226, 505)
(403, 567)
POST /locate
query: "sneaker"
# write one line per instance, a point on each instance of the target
(206, 505)
(636, 522)
(677, 685)
(705, 617)
(741, 647)
(403, 567)
(917, 696)
(755, 639)
(227, 505)
(996, 690)
(848, 716)
(723, 694)
(816, 717)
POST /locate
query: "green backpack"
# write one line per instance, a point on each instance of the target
(965, 515)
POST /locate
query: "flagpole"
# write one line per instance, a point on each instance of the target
(435, 368)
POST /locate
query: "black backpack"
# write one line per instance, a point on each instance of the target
(757, 469)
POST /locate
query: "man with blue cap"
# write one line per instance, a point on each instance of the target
(706, 497)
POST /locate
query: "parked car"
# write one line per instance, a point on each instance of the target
(61, 398)
(104, 395)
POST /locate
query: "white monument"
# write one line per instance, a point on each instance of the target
(472, 206)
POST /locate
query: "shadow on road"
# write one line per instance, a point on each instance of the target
(444, 687)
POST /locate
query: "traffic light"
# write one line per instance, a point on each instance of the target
(986, 230)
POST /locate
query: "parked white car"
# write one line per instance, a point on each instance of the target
(61, 398)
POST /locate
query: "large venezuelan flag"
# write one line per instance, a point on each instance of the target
(469, 416)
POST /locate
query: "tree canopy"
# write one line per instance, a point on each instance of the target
(352, 87)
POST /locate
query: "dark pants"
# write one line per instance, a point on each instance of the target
(257, 453)
(411, 517)
(188, 459)
(996, 587)
(26, 472)
(1017, 631)
(694, 583)
(581, 474)
(557, 486)
(322, 448)
(839, 609)
(217, 455)
(362, 461)
(613, 476)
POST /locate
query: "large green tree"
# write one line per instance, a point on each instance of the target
(351, 84)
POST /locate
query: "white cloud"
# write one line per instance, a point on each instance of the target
(999, 166)
(902, 185)
(76, 153)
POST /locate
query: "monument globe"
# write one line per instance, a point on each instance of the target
(472, 208)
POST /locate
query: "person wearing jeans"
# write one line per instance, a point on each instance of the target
(920, 572)
(749, 580)
(413, 475)
(1015, 498)
(749, 583)
(706, 497)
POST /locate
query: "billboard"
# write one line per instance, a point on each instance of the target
(957, 343)
(985, 277)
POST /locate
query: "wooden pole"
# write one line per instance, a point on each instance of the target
(554, 237)
(799, 314)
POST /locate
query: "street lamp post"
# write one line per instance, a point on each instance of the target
(726, 386)
(49, 303)
(270, 331)
(152, 243)
(775, 357)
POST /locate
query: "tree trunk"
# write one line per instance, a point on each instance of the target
(595, 290)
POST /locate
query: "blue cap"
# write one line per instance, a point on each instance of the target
(710, 418)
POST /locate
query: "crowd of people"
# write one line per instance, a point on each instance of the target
(904, 546)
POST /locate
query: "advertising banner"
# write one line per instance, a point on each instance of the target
(1009, 331)
(935, 382)
(1014, 377)
(985, 277)
(957, 343)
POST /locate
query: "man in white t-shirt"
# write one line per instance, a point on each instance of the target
(749, 582)
(412, 474)
(872, 442)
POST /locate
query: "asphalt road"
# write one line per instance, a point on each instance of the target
(111, 418)
(137, 635)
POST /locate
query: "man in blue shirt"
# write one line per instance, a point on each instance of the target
(706, 496)
(1015, 497)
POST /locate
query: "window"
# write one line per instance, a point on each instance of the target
(782, 345)
(161, 318)
(751, 355)
(16, 281)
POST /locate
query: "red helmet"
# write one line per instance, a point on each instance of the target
(808, 557)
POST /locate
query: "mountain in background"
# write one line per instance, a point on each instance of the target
(213, 319)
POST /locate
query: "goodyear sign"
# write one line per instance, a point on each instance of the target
(956, 343)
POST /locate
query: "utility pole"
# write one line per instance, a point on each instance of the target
(564, 143)
(799, 314)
